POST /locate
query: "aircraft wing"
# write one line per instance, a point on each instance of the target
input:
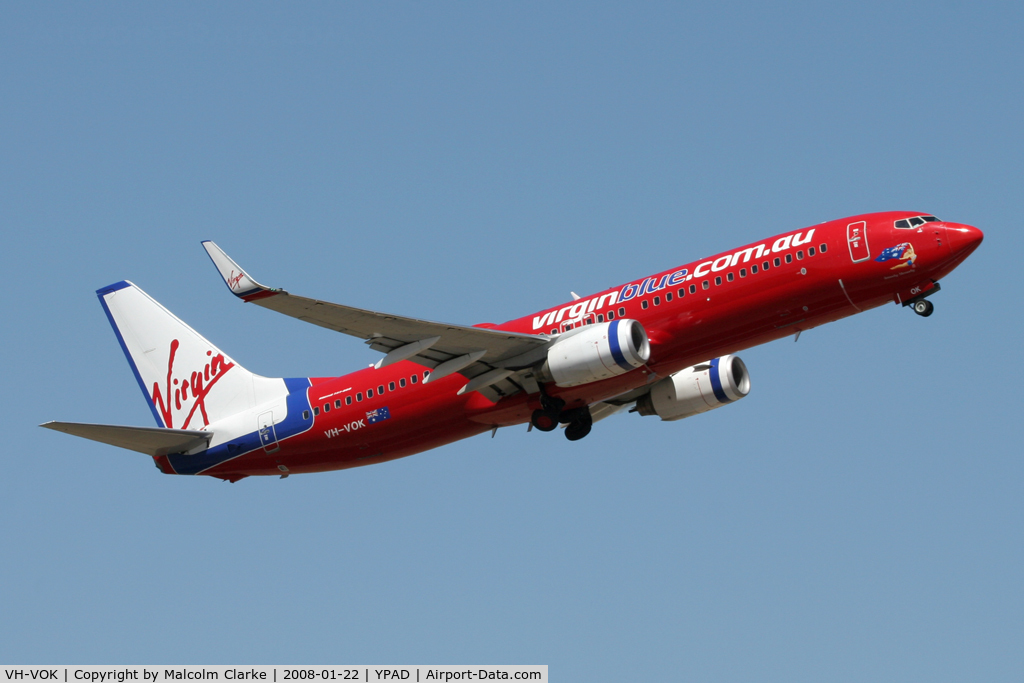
(149, 440)
(493, 356)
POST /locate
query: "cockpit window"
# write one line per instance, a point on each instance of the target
(915, 221)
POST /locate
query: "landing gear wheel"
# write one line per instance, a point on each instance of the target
(577, 430)
(544, 421)
(924, 308)
(579, 423)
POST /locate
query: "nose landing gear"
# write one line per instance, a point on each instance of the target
(915, 298)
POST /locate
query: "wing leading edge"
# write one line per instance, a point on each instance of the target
(490, 359)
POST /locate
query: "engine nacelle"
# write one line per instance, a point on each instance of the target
(597, 352)
(697, 389)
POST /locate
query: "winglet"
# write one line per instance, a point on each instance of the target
(237, 280)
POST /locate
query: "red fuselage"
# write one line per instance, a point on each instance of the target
(701, 310)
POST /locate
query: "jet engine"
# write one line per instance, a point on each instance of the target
(595, 352)
(697, 389)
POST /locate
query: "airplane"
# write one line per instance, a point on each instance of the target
(663, 345)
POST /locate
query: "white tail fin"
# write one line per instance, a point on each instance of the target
(188, 382)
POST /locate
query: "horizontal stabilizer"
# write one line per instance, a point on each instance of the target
(149, 440)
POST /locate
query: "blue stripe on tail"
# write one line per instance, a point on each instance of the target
(293, 424)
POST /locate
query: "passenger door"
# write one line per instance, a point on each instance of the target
(268, 435)
(857, 239)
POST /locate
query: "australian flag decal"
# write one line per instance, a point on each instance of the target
(893, 252)
(378, 415)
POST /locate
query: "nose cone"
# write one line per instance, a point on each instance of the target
(963, 239)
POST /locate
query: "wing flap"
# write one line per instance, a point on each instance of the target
(602, 410)
(149, 440)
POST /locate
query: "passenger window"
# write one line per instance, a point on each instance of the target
(348, 400)
(337, 404)
(369, 393)
(800, 255)
(600, 317)
(822, 247)
(401, 382)
(718, 280)
(305, 414)
(622, 312)
(426, 373)
(764, 266)
(668, 297)
(391, 386)
(730, 277)
(693, 289)
(706, 284)
(415, 378)
(753, 269)
(743, 272)
(316, 410)
(380, 390)
(643, 304)
(789, 258)
(657, 301)
(611, 315)
(778, 262)
(589, 321)
(810, 251)
(681, 293)
(359, 396)
(327, 407)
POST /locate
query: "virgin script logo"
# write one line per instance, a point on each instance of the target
(194, 388)
(233, 280)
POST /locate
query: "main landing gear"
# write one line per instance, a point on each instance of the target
(544, 421)
(578, 421)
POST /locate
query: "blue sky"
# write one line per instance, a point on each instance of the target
(858, 516)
